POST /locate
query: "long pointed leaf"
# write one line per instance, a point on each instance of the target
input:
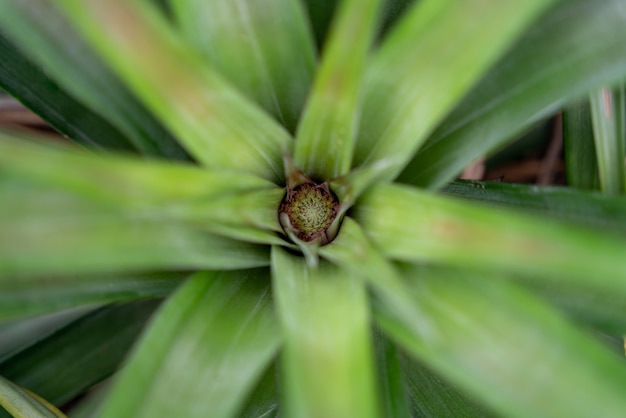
(227, 203)
(219, 126)
(204, 352)
(390, 377)
(34, 88)
(36, 295)
(19, 333)
(264, 48)
(126, 181)
(417, 226)
(81, 354)
(433, 397)
(327, 133)
(40, 29)
(46, 232)
(22, 404)
(529, 83)
(428, 396)
(263, 402)
(581, 165)
(499, 343)
(607, 115)
(426, 64)
(327, 359)
(560, 203)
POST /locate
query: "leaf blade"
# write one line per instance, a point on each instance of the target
(529, 83)
(607, 114)
(41, 30)
(81, 354)
(311, 302)
(219, 126)
(45, 232)
(42, 96)
(404, 98)
(417, 226)
(579, 148)
(21, 404)
(471, 342)
(327, 132)
(265, 49)
(206, 348)
(38, 295)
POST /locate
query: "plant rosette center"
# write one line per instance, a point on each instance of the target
(308, 212)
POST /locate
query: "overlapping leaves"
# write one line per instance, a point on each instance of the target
(68, 212)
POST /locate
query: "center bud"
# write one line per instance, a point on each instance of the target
(308, 211)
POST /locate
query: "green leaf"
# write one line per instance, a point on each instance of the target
(32, 86)
(217, 125)
(83, 353)
(237, 205)
(390, 378)
(40, 30)
(91, 405)
(119, 180)
(588, 306)
(19, 333)
(531, 82)
(48, 233)
(263, 402)
(22, 404)
(425, 65)
(353, 252)
(327, 133)
(499, 343)
(324, 316)
(607, 115)
(579, 149)
(560, 203)
(431, 396)
(36, 295)
(592, 305)
(204, 351)
(264, 48)
(393, 10)
(417, 226)
(320, 13)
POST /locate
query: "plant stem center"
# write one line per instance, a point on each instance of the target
(311, 209)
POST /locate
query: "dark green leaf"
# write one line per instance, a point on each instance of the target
(560, 203)
(204, 352)
(37, 295)
(263, 402)
(66, 363)
(428, 62)
(432, 397)
(33, 87)
(41, 31)
(264, 48)
(607, 116)
(577, 47)
(580, 151)
(391, 382)
(500, 344)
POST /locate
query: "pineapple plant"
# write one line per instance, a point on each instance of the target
(252, 209)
